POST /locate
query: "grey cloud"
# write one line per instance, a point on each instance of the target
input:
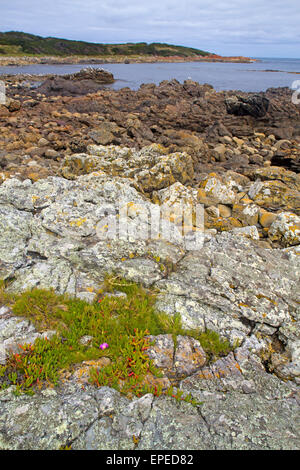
(227, 26)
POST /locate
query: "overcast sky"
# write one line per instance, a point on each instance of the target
(257, 28)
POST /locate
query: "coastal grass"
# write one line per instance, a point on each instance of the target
(116, 327)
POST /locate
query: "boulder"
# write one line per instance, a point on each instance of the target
(60, 86)
(253, 105)
(97, 75)
(275, 195)
(214, 191)
(285, 229)
(104, 134)
(152, 167)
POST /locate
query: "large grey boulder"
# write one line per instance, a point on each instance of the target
(230, 284)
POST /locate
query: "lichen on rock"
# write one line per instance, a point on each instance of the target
(241, 284)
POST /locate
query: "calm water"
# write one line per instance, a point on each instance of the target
(223, 76)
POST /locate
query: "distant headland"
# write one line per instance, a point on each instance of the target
(18, 48)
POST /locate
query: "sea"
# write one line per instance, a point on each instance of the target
(255, 76)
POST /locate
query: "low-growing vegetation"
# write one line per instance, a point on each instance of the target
(19, 43)
(116, 327)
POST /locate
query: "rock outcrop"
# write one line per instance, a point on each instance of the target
(254, 105)
(232, 285)
(155, 190)
(90, 73)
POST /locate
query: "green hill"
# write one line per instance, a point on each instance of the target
(17, 43)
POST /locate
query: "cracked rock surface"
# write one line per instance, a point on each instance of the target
(246, 292)
(243, 415)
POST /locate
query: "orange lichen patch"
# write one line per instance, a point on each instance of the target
(266, 218)
(221, 373)
(294, 228)
(246, 200)
(262, 296)
(222, 224)
(162, 382)
(82, 373)
(78, 222)
(201, 194)
(34, 176)
(219, 370)
(205, 374)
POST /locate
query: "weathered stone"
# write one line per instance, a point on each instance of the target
(276, 173)
(98, 75)
(189, 356)
(14, 332)
(286, 229)
(162, 383)
(275, 195)
(250, 232)
(266, 218)
(49, 237)
(43, 142)
(15, 230)
(221, 224)
(246, 213)
(179, 205)
(184, 360)
(162, 351)
(240, 382)
(255, 105)
(104, 134)
(238, 142)
(13, 105)
(230, 282)
(151, 168)
(216, 191)
(219, 152)
(64, 86)
(212, 211)
(51, 153)
(224, 211)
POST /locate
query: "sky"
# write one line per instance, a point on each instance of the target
(256, 28)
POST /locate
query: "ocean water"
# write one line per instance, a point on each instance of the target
(255, 76)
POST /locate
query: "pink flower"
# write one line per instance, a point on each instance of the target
(103, 346)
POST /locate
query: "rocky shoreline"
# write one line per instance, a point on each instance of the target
(67, 152)
(48, 60)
